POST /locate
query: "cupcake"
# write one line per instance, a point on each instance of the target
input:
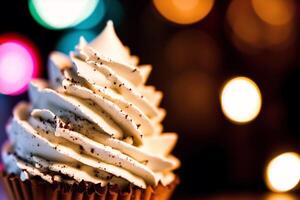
(92, 132)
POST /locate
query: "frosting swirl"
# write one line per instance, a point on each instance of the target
(95, 120)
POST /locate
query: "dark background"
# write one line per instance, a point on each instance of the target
(190, 65)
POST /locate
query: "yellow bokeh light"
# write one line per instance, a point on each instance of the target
(283, 172)
(241, 100)
(184, 11)
(275, 12)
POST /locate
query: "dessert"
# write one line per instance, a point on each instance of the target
(92, 132)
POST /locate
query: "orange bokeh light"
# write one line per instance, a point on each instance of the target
(192, 48)
(198, 106)
(184, 11)
(280, 196)
(249, 31)
(275, 12)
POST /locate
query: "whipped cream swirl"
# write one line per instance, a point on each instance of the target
(95, 120)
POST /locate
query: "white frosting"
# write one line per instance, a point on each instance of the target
(95, 121)
(57, 62)
(110, 45)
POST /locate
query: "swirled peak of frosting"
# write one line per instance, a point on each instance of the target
(95, 120)
(108, 44)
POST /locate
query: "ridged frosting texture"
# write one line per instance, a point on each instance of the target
(95, 120)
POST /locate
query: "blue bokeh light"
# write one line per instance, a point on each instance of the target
(114, 11)
(95, 18)
(4, 115)
(68, 41)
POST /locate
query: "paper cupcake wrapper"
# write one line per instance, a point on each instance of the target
(38, 189)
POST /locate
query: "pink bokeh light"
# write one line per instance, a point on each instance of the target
(19, 63)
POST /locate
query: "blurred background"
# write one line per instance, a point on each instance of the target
(229, 71)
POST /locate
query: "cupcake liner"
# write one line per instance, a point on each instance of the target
(36, 189)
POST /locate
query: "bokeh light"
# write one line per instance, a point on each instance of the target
(193, 48)
(4, 105)
(5, 112)
(275, 12)
(251, 34)
(241, 100)
(280, 196)
(95, 18)
(282, 173)
(19, 63)
(68, 41)
(184, 11)
(198, 108)
(59, 14)
(114, 11)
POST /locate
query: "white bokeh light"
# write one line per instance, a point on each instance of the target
(58, 14)
(241, 100)
(282, 173)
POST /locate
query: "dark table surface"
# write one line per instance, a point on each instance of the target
(243, 196)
